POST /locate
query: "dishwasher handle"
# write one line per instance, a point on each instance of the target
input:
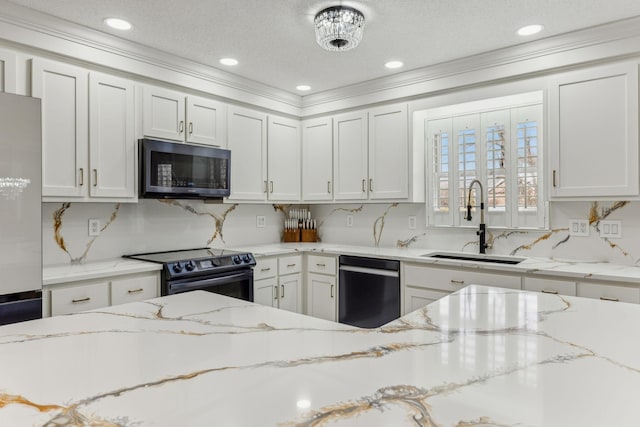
(376, 271)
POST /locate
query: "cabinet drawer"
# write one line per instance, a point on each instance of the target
(290, 264)
(265, 267)
(452, 280)
(134, 289)
(321, 264)
(79, 298)
(415, 298)
(609, 292)
(549, 286)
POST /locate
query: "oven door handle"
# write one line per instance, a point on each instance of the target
(211, 281)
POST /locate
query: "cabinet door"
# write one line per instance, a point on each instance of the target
(284, 159)
(248, 144)
(350, 156)
(206, 121)
(322, 296)
(163, 113)
(607, 292)
(388, 153)
(63, 90)
(594, 132)
(289, 292)
(317, 159)
(112, 144)
(7, 71)
(130, 289)
(415, 299)
(264, 292)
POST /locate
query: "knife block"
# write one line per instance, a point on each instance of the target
(309, 235)
(291, 235)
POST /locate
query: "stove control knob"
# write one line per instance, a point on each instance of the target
(237, 259)
(177, 267)
(246, 258)
(190, 265)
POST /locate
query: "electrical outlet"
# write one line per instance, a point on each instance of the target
(261, 221)
(412, 222)
(611, 229)
(579, 227)
(349, 220)
(94, 227)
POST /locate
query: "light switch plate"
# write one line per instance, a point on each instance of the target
(94, 227)
(579, 227)
(611, 229)
(412, 222)
(349, 220)
(261, 221)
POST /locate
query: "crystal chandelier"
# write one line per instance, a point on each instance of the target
(339, 28)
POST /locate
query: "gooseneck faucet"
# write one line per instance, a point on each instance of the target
(482, 230)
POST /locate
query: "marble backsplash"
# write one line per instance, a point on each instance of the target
(154, 225)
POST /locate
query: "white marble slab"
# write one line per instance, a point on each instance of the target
(62, 273)
(479, 357)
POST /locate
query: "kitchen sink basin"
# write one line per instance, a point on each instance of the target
(475, 257)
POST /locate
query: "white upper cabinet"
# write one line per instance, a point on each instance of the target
(317, 159)
(88, 142)
(63, 90)
(7, 71)
(594, 132)
(350, 156)
(177, 117)
(112, 145)
(388, 152)
(248, 144)
(283, 165)
(206, 121)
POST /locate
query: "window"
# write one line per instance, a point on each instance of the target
(497, 142)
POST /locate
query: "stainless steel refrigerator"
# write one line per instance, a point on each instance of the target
(20, 209)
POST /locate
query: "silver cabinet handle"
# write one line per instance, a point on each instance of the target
(181, 126)
(190, 128)
(332, 290)
(290, 265)
(275, 292)
(81, 177)
(545, 291)
(78, 301)
(364, 183)
(266, 187)
(282, 293)
(135, 291)
(321, 265)
(457, 282)
(265, 269)
(95, 177)
(271, 185)
(609, 299)
(329, 187)
(371, 185)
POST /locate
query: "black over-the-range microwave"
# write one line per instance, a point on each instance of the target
(183, 171)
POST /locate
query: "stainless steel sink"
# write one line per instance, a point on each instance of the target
(474, 257)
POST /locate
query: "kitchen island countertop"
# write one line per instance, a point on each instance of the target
(478, 357)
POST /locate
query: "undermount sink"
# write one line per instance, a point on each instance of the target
(475, 257)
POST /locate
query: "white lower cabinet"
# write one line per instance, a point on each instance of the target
(73, 297)
(607, 292)
(439, 282)
(550, 286)
(322, 287)
(278, 282)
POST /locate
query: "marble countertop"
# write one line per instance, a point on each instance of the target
(478, 357)
(571, 269)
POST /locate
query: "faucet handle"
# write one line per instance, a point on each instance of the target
(468, 217)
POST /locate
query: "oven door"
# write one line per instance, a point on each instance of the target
(236, 284)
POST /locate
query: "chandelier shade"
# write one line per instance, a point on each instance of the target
(339, 28)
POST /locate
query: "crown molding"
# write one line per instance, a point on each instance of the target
(596, 44)
(34, 29)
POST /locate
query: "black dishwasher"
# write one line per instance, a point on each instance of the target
(369, 291)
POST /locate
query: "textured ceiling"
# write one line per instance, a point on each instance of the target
(275, 43)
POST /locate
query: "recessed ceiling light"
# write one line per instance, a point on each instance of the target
(117, 23)
(303, 87)
(229, 61)
(530, 30)
(394, 64)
